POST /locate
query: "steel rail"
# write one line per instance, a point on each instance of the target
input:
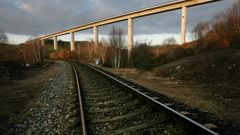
(160, 106)
(84, 131)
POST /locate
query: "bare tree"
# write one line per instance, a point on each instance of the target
(36, 48)
(199, 34)
(169, 42)
(233, 23)
(116, 42)
(225, 27)
(91, 49)
(3, 37)
(78, 49)
(234, 18)
(102, 50)
(218, 33)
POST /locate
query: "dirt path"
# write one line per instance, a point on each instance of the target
(16, 94)
(195, 96)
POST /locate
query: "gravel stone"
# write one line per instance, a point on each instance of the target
(51, 114)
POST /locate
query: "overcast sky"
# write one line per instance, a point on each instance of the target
(24, 18)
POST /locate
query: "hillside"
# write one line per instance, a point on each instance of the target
(215, 75)
(219, 70)
(209, 81)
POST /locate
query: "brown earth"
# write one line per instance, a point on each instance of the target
(193, 82)
(16, 94)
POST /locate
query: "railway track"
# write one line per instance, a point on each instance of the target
(111, 106)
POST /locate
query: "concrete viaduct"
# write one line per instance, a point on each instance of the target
(180, 4)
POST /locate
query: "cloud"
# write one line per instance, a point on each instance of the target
(37, 17)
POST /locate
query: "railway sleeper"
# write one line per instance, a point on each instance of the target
(128, 105)
(109, 103)
(102, 92)
(127, 121)
(121, 112)
(108, 96)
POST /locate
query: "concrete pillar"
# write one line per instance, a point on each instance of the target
(42, 42)
(55, 43)
(183, 25)
(130, 36)
(95, 35)
(72, 42)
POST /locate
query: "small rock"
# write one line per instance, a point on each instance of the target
(178, 67)
(20, 125)
(155, 98)
(185, 113)
(167, 104)
(210, 125)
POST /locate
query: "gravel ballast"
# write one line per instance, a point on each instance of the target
(55, 111)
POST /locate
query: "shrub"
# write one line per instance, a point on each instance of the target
(141, 57)
(63, 55)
